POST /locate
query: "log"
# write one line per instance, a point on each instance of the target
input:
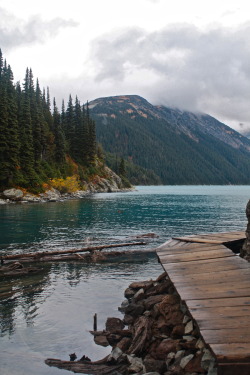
(94, 368)
(70, 251)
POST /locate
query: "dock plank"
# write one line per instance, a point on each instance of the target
(214, 283)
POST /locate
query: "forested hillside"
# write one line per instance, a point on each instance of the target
(178, 147)
(38, 142)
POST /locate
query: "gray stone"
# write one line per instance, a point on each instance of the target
(3, 201)
(14, 194)
(186, 360)
(188, 338)
(189, 327)
(115, 355)
(200, 344)
(186, 319)
(136, 364)
(207, 360)
(123, 306)
(139, 294)
(179, 355)
(170, 358)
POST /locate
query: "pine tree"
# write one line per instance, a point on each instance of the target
(27, 159)
(59, 137)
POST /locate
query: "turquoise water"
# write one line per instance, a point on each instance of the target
(50, 314)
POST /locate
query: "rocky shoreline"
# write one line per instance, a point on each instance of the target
(100, 185)
(156, 336)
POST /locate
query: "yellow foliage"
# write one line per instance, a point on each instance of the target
(66, 185)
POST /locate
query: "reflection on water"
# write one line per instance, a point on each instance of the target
(49, 314)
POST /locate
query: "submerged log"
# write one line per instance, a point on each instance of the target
(16, 269)
(41, 254)
(85, 367)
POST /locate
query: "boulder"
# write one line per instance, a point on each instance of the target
(162, 349)
(3, 201)
(13, 194)
(134, 309)
(114, 324)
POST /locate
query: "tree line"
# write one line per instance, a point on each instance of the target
(38, 142)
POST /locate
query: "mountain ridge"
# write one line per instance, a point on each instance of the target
(179, 146)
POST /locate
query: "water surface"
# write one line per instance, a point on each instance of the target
(50, 314)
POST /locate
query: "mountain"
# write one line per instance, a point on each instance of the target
(178, 147)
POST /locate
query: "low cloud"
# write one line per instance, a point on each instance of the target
(185, 67)
(16, 33)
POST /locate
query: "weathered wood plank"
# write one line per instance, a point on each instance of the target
(215, 285)
(231, 352)
(226, 322)
(199, 255)
(222, 336)
(237, 301)
(220, 312)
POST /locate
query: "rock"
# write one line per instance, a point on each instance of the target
(114, 324)
(128, 319)
(152, 373)
(160, 351)
(123, 306)
(170, 358)
(152, 365)
(141, 284)
(115, 355)
(136, 364)
(178, 331)
(13, 194)
(195, 365)
(179, 355)
(186, 360)
(51, 195)
(134, 309)
(189, 327)
(186, 319)
(139, 295)
(3, 201)
(153, 300)
(129, 293)
(101, 340)
(207, 359)
(189, 338)
(113, 339)
(31, 198)
(200, 344)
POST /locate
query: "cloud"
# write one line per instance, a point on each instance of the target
(16, 33)
(187, 67)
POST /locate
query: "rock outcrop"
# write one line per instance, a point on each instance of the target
(111, 183)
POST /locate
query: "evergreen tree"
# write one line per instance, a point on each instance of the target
(27, 159)
(59, 137)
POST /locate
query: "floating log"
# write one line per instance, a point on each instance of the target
(38, 255)
(85, 367)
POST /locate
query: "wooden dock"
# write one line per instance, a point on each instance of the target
(214, 283)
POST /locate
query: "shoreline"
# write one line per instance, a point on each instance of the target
(156, 336)
(16, 196)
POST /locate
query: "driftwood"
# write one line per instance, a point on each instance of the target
(85, 367)
(16, 269)
(39, 255)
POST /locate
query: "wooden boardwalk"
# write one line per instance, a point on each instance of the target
(215, 285)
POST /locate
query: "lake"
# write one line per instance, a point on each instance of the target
(48, 315)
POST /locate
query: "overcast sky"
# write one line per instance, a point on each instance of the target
(191, 54)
